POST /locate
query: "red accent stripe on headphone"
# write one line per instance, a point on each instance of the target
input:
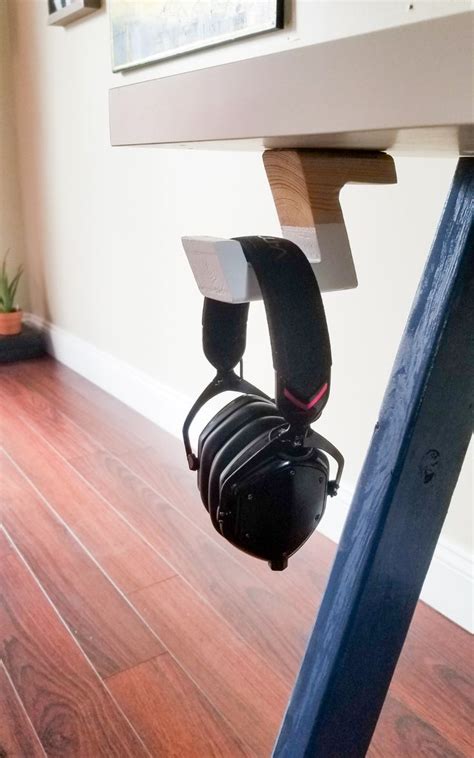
(306, 406)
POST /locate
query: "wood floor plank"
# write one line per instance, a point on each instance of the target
(17, 736)
(436, 689)
(5, 546)
(172, 716)
(124, 556)
(235, 679)
(55, 426)
(430, 629)
(46, 372)
(110, 632)
(77, 408)
(401, 733)
(237, 594)
(427, 711)
(70, 709)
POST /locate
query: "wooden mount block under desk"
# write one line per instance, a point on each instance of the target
(305, 185)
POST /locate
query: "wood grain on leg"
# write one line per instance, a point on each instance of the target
(70, 709)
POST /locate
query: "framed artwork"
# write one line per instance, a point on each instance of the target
(144, 31)
(62, 12)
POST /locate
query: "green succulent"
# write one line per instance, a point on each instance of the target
(8, 287)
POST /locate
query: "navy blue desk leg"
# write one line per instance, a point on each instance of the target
(399, 506)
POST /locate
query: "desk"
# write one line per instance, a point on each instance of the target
(407, 90)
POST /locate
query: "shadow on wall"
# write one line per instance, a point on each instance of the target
(11, 223)
(32, 158)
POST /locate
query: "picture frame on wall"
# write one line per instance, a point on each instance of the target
(63, 12)
(145, 31)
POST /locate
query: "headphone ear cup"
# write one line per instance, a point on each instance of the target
(224, 413)
(271, 501)
(243, 456)
(205, 450)
(225, 423)
(233, 448)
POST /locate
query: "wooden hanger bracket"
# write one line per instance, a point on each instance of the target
(305, 185)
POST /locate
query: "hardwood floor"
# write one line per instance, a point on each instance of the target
(69, 707)
(171, 713)
(128, 627)
(17, 735)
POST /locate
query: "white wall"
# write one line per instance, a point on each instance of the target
(11, 227)
(103, 224)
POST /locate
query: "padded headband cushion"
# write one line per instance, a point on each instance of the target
(295, 313)
(224, 332)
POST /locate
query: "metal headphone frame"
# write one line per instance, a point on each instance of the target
(230, 381)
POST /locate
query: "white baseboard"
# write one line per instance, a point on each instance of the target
(449, 585)
(162, 405)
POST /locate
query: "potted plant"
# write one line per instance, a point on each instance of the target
(10, 314)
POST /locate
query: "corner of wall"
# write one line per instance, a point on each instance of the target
(11, 218)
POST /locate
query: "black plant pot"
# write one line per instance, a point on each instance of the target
(30, 343)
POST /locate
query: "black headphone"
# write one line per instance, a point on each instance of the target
(262, 471)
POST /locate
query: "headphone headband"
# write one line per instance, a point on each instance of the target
(263, 473)
(296, 320)
(298, 334)
(224, 333)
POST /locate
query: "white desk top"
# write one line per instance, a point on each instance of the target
(407, 89)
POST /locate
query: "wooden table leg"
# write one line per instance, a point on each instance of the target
(399, 506)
